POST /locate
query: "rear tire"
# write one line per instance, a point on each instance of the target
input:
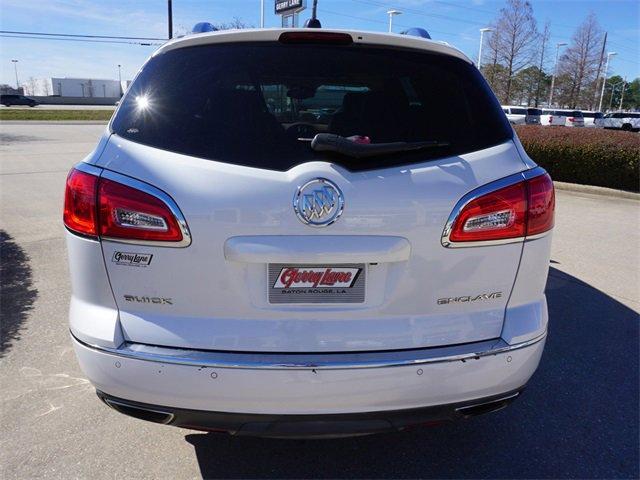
(627, 127)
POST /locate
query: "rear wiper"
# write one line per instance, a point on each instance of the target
(328, 142)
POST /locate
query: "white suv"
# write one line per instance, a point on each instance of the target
(307, 233)
(628, 121)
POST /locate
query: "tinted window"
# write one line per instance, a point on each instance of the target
(633, 115)
(592, 114)
(519, 111)
(534, 111)
(259, 104)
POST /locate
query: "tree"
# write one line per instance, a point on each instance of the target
(613, 93)
(30, 87)
(632, 95)
(529, 83)
(44, 86)
(235, 24)
(516, 42)
(580, 61)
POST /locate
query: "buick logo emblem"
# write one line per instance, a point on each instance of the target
(318, 203)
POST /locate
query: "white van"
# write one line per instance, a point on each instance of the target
(556, 118)
(522, 115)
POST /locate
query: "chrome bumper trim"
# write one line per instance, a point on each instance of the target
(315, 361)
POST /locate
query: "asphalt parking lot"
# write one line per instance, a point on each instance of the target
(579, 417)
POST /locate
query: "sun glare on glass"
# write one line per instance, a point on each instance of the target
(142, 102)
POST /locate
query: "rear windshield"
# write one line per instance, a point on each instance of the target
(259, 104)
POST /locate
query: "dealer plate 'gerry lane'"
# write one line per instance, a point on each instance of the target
(316, 283)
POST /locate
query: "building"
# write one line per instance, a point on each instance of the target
(77, 87)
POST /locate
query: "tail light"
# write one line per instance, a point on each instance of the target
(126, 210)
(80, 214)
(550, 119)
(513, 212)
(571, 119)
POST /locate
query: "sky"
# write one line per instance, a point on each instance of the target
(454, 21)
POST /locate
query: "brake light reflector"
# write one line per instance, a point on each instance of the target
(523, 209)
(80, 212)
(125, 212)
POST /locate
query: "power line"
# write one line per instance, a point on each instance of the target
(79, 36)
(79, 40)
(459, 20)
(373, 20)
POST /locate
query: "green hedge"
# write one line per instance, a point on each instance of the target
(588, 156)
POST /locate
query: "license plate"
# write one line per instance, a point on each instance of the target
(316, 283)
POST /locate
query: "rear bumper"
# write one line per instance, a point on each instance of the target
(209, 387)
(308, 426)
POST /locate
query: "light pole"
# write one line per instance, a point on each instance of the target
(261, 13)
(624, 85)
(170, 19)
(15, 67)
(613, 91)
(482, 31)
(120, 79)
(555, 71)
(392, 13)
(604, 81)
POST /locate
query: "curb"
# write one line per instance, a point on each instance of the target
(593, 190)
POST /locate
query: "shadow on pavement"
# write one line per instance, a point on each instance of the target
(578, 417)
(16, 295)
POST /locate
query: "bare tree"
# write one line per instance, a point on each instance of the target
(44, 84)
(235, 24)
(580, 62)
(31, 86)
(516, 43)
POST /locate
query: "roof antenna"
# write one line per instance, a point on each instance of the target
(313, 22)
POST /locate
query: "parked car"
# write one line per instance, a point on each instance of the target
(629, 121)
(590, 118)
(522, 115)
(574, 118)
(553, 117)
(236, 270)
(9, 99)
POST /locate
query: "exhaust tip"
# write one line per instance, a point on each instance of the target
(486, 407)
(155, 416)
